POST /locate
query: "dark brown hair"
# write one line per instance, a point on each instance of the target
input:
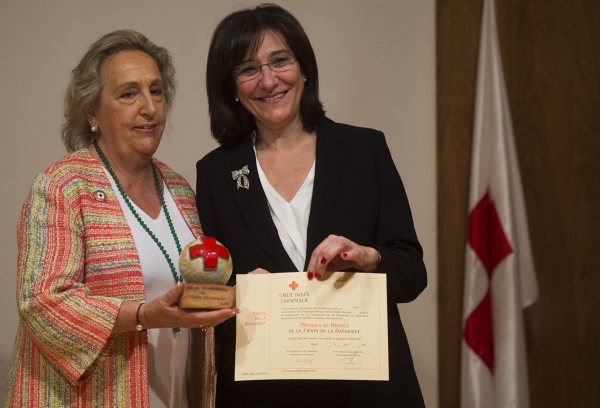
(237, 35)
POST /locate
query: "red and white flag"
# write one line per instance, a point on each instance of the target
(499, 272)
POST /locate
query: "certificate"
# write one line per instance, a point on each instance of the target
(294, 328)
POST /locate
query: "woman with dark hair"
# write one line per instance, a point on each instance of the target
(307, 194)
(99, 239)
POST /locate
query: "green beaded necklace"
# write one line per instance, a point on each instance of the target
(139, 219)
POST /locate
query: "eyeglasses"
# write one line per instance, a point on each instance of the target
(250, 70)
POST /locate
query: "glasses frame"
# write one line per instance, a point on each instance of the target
(259, 66)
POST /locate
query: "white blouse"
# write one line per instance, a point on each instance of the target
(167, 351)
(291, 219)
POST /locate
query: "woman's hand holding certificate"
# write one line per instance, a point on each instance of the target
(295, 328)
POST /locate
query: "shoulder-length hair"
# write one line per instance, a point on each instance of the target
(238, 35)
(85, 87)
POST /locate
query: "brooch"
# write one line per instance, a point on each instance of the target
(100, 196)
(240, 175)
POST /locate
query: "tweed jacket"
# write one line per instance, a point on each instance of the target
(77, 263)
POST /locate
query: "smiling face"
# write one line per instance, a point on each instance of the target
(273, 98)
(131, 114)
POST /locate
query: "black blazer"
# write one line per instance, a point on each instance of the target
(357, 194)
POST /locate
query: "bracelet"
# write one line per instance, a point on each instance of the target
(378, 262)
(138, 325)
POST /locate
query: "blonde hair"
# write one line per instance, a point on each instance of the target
(85, 88)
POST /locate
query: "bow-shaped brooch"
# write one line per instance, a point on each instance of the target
(240, 175)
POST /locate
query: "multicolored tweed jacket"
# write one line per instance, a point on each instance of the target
(77, 264)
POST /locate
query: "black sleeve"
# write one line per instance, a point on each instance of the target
(395, 236)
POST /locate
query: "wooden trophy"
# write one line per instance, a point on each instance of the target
(206, 266)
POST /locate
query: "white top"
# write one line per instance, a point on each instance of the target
(167, 351)
(291, 219)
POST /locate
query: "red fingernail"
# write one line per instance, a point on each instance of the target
(344, 255)
(310, 275)
(323, 261)
(318, 276)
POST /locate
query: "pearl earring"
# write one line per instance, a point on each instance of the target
(237, 98)
(94, 128)
(304, 78)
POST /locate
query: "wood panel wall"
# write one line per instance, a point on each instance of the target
(551, 57)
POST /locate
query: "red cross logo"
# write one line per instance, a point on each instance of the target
(210, 251)
(293, 285)
(489, 241)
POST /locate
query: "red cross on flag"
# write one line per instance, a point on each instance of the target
(499, 272)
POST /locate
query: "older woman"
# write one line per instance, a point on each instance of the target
(99, 239)
(319, 196)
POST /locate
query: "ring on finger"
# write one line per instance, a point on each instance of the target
(204, 328)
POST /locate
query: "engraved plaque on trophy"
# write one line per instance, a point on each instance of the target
(206, 266)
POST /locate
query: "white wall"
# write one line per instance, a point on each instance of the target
(377, 66)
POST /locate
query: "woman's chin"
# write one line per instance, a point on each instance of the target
(279, 121)
(148, 144)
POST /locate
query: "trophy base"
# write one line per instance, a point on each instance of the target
(207, 297)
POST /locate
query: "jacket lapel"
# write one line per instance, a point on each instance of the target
(253, 205)
(329, 170)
